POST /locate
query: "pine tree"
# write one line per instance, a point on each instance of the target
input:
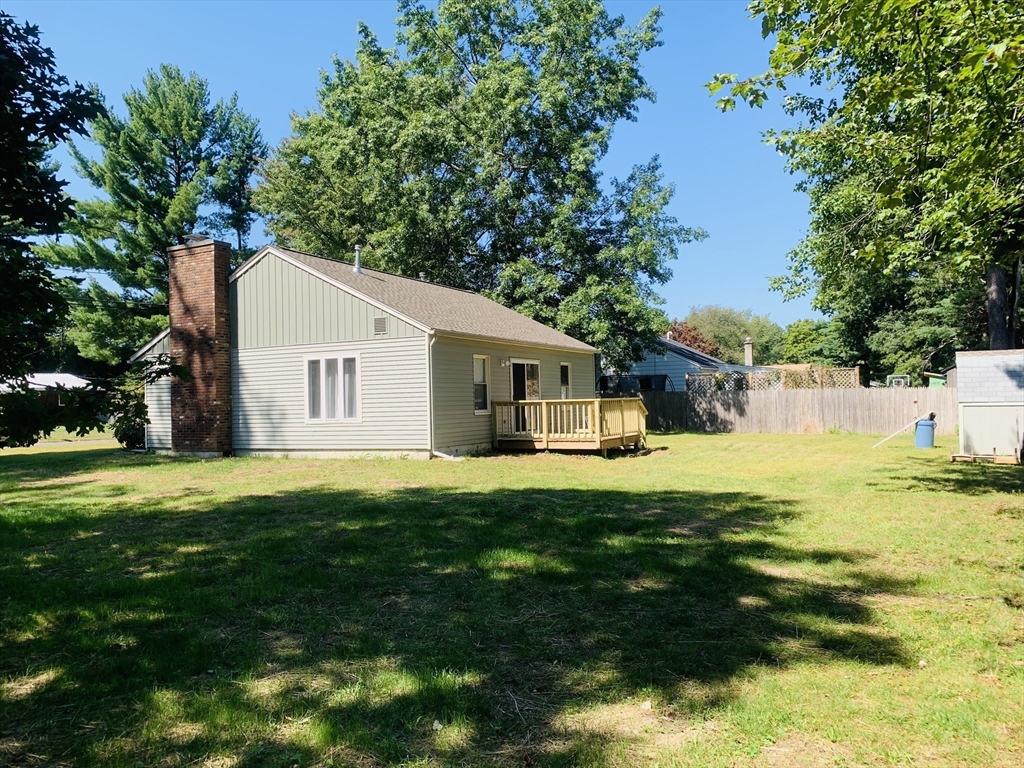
(175, 156)
(39, 108)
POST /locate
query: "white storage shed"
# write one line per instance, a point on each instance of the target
(990, 395)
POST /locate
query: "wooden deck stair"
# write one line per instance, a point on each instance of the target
(570, 425)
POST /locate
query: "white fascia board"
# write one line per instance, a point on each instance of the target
(339, 285)
(253, 260)
(149, 345)
(495, 340)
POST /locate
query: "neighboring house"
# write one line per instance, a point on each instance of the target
(299, 355)
(990, 392)
(666, 368)
(950, 374)
(49, 385)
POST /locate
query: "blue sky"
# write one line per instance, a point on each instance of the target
(271, 54)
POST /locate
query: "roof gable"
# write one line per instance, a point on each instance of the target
(154, 346)
(428, 306)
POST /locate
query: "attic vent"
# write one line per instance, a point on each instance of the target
(380, 326)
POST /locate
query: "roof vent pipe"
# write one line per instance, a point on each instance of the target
(423, 277)
(356, 269)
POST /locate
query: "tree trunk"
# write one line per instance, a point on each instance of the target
(997, 293)
(1014, 319)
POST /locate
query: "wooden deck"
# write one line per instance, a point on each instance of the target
(570, 425)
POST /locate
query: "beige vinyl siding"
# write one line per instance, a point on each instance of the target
(276, 304)
(162, 347)
(269, 398)
(456, 426)
(158, 408)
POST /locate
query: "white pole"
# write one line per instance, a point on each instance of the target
(901, 429)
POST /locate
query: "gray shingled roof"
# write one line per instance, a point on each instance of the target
(689, 353)
(440, 308)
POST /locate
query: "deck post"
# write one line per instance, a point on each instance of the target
(544, 422)
(494, 439)
(595, 421)
(622, 422)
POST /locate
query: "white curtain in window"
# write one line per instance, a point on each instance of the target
(349, 373)
(331, 388)
(313, 393)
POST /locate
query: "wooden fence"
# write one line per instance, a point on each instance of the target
(801, 411)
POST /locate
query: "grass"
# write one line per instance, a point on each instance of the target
(61, 435)
(745, 600)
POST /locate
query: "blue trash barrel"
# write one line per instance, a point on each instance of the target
(924, 435)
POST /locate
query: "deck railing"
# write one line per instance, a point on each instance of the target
(571, 424)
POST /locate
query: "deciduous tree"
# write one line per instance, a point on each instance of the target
(470, 152)
(729, 328)
(914, 114)
(691, 337)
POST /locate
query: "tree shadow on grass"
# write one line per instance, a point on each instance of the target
(969, 479)
(415, 624)
(37, 464)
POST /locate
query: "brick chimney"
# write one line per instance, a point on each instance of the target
(200, 340)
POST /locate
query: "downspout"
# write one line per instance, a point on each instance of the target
(430, 393)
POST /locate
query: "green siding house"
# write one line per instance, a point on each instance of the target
(297, 355)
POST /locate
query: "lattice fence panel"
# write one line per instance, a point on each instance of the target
(773, 379)
(764, 380)
(716, 382)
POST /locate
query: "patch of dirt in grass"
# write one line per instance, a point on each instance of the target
(640, 725)
(713, 527)
(782, 572)
(645, 584)
(799, 750)
(221, 761)
(752, 602)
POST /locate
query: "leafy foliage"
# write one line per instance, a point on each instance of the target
(691, 337)
(919, 159)
(26, 416)
(890, 317)
(729, 328)
(39, 109)
(804, 342)
(470, 152)
(175, 154)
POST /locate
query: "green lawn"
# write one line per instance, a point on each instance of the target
(744, 600)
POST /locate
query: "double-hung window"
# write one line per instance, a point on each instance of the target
(332, 388)
(481, 384)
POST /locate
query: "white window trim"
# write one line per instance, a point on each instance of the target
(568, 365)
(340, 357)
(540, 379)
(487, 381)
